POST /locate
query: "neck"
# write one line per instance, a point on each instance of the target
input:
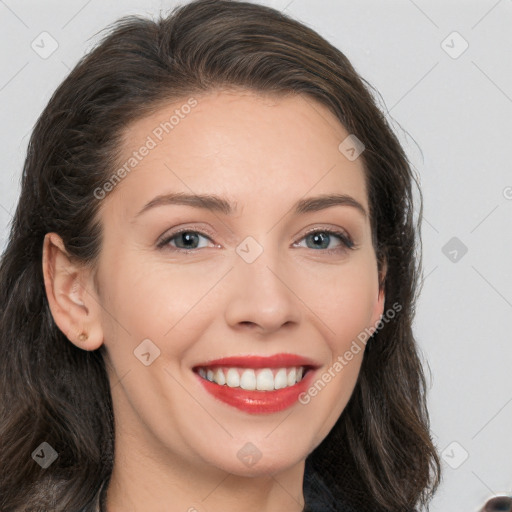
(147, 477)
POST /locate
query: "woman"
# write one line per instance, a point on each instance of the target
(272, 366)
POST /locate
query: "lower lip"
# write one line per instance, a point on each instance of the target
(258, 402)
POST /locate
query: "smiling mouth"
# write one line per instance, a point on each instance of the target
(257, 384)
(261, 379)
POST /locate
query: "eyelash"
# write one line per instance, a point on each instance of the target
(346, 240)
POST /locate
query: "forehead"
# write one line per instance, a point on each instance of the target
(241, 145)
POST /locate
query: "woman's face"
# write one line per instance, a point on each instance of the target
(264, 279)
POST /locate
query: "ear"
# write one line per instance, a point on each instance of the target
(378, 310)
(71, 295)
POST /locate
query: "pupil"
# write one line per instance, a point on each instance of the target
(321, 237)
(188, 237)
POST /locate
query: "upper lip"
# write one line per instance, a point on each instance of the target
(255, 361)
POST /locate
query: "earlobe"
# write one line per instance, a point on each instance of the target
(73, 307)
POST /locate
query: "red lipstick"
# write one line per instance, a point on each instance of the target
(258, 401)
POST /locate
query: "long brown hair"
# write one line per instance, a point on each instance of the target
(379, 455)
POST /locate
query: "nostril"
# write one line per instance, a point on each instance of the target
(498, 504)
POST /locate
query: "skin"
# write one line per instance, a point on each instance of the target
(176, 445)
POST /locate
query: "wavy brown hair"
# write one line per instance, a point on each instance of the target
(379, 455)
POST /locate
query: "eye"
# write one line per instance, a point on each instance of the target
(184, 240)
(322, 239)
(189, 240)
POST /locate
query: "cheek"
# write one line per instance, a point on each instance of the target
(347, 308)
(343, 300)
(160, 302)
(346, 311)
(350, 312)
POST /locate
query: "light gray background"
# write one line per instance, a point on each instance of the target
(452, 114)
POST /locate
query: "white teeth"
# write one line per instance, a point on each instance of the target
(233, 378)
(264, 379)
(292, 377)
(281, 379)
(218, 377)
(248, 380)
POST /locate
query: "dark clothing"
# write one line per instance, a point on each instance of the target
(317, 496)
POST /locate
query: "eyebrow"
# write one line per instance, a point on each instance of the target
(218, 204)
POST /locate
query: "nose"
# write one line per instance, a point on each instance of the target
(261, 296)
